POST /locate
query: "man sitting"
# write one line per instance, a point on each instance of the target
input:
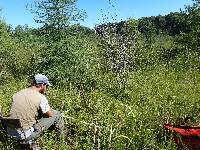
(32, 108)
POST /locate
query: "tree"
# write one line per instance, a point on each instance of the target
(57, 13)
(175, 23)
(190, 38)
(147, 27)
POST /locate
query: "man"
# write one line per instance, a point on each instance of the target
(32, 108)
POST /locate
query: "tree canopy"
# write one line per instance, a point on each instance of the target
(56, 13)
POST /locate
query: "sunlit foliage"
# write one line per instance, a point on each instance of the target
(116, 85)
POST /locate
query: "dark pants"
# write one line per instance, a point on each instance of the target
(45, 123)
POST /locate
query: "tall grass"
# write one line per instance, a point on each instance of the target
(133, 121)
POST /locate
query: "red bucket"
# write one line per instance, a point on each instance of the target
(188, 136)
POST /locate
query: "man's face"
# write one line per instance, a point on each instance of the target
(43, 89)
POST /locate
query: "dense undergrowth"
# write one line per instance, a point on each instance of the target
(133, 120)
(116, 86)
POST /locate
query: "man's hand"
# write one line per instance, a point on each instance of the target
(49, 113)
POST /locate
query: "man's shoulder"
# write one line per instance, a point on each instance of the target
(34, 92)
(29, 92)
(21, 92)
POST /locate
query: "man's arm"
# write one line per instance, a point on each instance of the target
(45, 108)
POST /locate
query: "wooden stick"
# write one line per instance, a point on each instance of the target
(86, 123)
(1, 114)
(98, 140)
(110, 137)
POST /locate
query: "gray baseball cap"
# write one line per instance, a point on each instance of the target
(40, 78)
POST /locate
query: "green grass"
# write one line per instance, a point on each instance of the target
(133, 121)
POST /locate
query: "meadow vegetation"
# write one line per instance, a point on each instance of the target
(116, 84)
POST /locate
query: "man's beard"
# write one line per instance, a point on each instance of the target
(42, 91)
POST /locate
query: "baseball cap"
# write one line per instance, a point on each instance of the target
(40, 78)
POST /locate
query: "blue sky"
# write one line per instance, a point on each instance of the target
(14, 11)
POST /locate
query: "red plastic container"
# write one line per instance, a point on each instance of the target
(188, 136)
